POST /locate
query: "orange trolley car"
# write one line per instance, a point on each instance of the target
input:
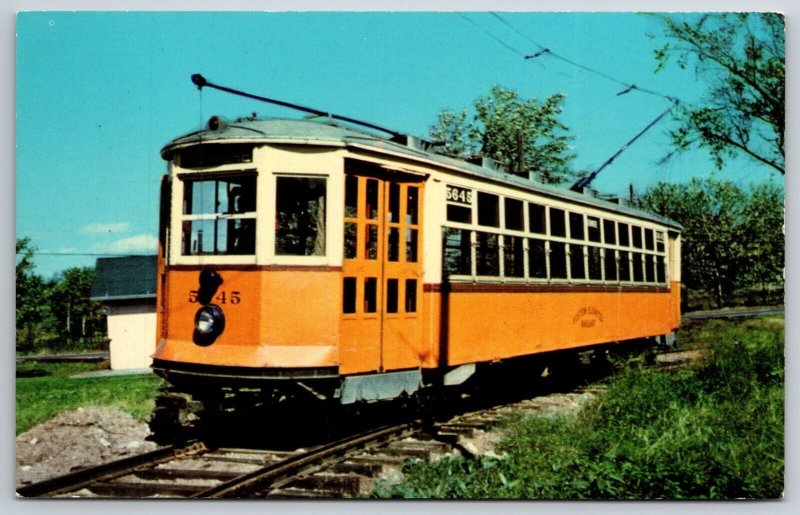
(303, 256)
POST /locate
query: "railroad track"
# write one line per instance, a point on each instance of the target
(345, 468)
(197, 471)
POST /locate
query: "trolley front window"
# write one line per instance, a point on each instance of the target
(219, 216)
(300, 216)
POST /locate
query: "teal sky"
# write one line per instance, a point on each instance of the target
(98, 94)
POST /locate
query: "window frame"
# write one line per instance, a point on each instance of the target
(270, 213)
(179, 190)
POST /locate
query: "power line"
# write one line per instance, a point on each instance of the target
(543, 50)
(541, 47)
(513, 49)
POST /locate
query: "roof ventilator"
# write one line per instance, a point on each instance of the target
(413, 142)
(489, 164)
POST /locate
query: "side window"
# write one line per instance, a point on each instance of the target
(595, 263)
(624, 238)
(636, 261)
(610, 264)
(636, 235)
(624, 266)
(558, 260)
(219, 216)
(576, 226)
(457, 251)
(456, 213)
(513, 256)
(661, 270)
(659, 241)
(576, 265)
(537, 259)
(649, 268)
(536, 218)
(514, 214)
(488, 210)
(300, 216)
(648, 239)
(558, 226)
(487, 254)
(610, 232)
(593, 228)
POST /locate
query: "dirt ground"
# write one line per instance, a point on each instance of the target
(77, 439)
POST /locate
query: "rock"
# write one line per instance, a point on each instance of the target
(78, 439)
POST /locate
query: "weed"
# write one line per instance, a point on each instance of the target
(713, 431)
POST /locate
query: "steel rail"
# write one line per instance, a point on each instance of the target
(258, 479)
(88, 476)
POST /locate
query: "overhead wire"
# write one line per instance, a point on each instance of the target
(545, 51)
(494, 37)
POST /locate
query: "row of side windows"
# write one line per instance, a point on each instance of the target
(485, 254)
(531, 240)
(562, 223)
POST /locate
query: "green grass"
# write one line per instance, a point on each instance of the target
(711, 431)
(41, 398)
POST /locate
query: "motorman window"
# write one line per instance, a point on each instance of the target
(219, 215)
(300, 216)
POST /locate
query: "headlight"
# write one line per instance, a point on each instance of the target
(209, 322)
(204, 322)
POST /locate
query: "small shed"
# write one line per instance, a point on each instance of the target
(127, 287)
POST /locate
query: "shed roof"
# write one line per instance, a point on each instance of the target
(125, 278)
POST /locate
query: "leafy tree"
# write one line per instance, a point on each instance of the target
(741, 56)
(731, 238)
(522, 135)
(765, 247)
(76, 316)
(31, 293)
